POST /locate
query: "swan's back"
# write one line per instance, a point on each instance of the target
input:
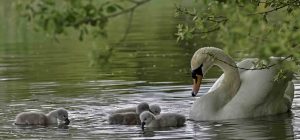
(171, 119)
(127, 118)
(123, 110)
(154, 109)
(31, 118)
(162, 120)
(259, 95)
(245, 64)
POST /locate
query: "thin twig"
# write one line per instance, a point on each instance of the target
(261, 68)
(133, 1)
(217, 19)
(185, 11)
(208, 31)
(137, 4)
(129, 9)
(128, 27)
(268, 11)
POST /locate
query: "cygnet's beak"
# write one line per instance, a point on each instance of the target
(196, 84)
(143, 125)
(67, 121)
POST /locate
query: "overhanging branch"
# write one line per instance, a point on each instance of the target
(268, 11)
(88, 20)
(208, 31)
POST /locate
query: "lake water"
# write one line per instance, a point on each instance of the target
(39, 74)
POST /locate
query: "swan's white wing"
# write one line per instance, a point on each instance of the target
(247, 64)
(259, 95)
(210, 99)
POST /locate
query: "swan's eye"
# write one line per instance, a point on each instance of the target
(197, 71)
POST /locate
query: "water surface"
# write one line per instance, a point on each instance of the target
(39, 74)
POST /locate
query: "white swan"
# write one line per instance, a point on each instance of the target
(238, 93)
(39, 118)
(163, 120)
(128, 117)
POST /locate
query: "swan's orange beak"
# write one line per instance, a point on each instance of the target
(196, 84)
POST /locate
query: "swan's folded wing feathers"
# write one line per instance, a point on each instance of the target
(245, 64)
(258, 95)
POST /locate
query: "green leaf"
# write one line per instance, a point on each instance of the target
(119, 7)
(111, 9)
(290, 9)
(195, 18)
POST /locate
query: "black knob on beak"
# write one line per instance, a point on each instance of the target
(193, 94)
(143, 125)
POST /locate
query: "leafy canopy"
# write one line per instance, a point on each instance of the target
(85, 16)
(246, 28)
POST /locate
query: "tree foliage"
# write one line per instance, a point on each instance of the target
(85, 16)
(245, 28)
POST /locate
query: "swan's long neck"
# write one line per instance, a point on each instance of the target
(231, 81)
(207, 106)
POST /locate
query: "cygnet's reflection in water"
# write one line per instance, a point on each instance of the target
(63, 126)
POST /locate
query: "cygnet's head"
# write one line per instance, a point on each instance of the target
(62, 115)
(146, 117)
(142, 107)
(155, 109)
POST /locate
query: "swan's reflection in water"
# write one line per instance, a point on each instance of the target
(271, 127)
